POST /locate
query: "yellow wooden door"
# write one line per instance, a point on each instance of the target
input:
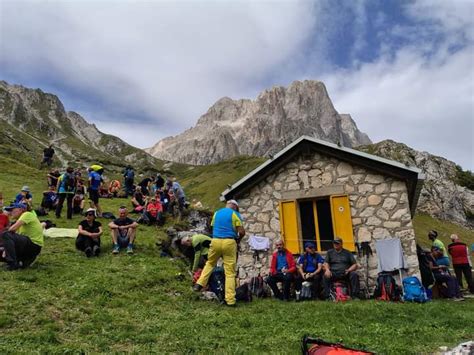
(289, 226)
(342, 221)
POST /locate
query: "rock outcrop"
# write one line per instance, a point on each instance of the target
(31, 120)
(262, 127)
(441, 196)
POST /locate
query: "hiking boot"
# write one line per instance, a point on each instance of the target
(116, 249)
(197, 287)
(88, 252)
(96, 250)
(130, 249)
(232, 305)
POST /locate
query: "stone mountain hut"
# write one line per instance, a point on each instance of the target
(313, 190)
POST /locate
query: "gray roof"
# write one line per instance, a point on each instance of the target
(412, 175)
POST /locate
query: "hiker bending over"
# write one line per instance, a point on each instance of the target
(24, 196)
(90, 230)
(22, 241)
(66, 188)
(200, 244)
(227, 229)
(459, 254)
(282, 269)
(443, 277)
(340, 264)
(123, 231)
(310, 268)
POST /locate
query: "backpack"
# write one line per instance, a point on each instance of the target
(130, 174)
(217, 282)
(340, 292)
(69, 182)
(387, 288)
(108, 215)
(243, 294)
(414, 290)
(257, 286)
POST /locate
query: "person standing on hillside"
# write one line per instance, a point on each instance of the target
(66, 188)
(22, 241)
(227, 229)
(129, 177)
(461, 265)
(95, 181)
(48, 154)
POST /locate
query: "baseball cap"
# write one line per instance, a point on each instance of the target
(309, 245)
(234, 202)
(337, 240)
(16, 205)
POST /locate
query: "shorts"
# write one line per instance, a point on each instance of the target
(94, 196)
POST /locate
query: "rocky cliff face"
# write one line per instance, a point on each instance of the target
(31, 120)
(262, 127)
(441, 196)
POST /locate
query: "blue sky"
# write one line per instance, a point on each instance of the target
(144, 70)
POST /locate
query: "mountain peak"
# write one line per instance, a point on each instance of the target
(261, 127)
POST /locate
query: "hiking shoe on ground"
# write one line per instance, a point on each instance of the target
(88, 252)
(96, 250)
(130, 249)
(116, 249)
(197, 287)
(232, 305)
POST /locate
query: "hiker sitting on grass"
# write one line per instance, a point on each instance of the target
(138, 200)
(90, 230)
(22, 241)
(114, 187)
(24, 196)
(123, 231)
(340, 264)
(283, 270)
(200, 244)
(154, 211)
(310, 269)
(50, 199)
(442, 276)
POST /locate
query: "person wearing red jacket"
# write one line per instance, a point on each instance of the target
(282, 269)
(459, 256)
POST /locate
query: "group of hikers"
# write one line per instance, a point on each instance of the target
(312, 275)
(21, 240)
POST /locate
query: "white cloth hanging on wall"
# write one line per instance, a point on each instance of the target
(257, 242)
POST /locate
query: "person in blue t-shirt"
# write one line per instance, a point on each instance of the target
(95, 181)
(24, 196)
(310, 268)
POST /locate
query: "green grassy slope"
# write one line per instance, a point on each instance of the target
(144, 303)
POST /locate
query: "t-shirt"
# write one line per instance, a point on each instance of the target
(312, 261)
(144, 183)
(31, 228)
(67, 183)
(123, 221)
(20, 197)
(50, 196)
(440, 245)
(281, 261)
(94, 228)
(339, 262)
(225, 222)
(48, 152)
(3, 221)
(160, 182)
(139, 197)
(95, 179)
(154, 208)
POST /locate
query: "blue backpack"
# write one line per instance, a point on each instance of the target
(414, 290)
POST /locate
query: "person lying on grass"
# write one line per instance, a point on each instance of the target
(123, 231)
(90, 230)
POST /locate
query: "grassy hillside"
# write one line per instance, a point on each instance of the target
(144, 303)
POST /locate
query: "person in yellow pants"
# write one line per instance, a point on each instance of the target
(227, 229)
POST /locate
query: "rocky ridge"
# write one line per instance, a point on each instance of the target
(441, 196)
(32, 119)
(262, 127)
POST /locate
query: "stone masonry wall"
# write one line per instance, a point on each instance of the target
(379, 209)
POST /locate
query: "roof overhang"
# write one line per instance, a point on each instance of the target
(308, 145)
